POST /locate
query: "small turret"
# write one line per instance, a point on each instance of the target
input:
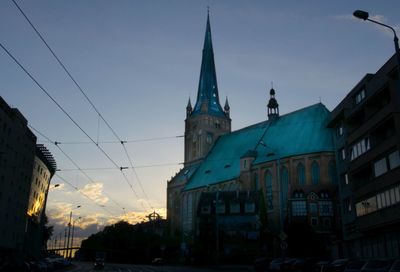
(189, 108)
(226, 107)
(273, 106)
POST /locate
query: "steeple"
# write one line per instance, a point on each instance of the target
(207, 94)
(226, 107)
(273, 106)
(188, 108)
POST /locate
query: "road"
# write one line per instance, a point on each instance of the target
(88, 266)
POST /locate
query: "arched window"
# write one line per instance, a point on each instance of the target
(315, 173)
(256, 184)
(332, 172)
(284, 187)
(268, 189)
(301, 174)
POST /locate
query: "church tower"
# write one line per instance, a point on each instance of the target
(273, 106)
(206, 121)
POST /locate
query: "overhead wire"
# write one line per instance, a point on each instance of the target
(118, 142)
(72, 119)
(85, 195)
(91, 103)
(76, 165)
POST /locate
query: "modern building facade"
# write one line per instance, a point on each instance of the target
(367, 124)
(25, 173)
(287, 161)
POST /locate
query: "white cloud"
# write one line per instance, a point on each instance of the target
(95, 192)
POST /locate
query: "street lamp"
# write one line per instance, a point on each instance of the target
(360, 14)
(69, 228)
(72, 238)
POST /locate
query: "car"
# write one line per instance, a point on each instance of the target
(321, 266)
(276, 264)
(98, 264)
(377, 266)
(354, 266)
(261, 264)
(338, 265)
(395, 266)
(158, 261)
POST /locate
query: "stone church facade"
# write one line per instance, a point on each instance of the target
(263, 179)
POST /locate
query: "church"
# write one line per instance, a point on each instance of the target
(246, 192)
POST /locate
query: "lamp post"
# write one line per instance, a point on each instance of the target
(360, 14)
(72, 237)
(69, 228)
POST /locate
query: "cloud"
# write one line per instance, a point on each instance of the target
(95, 192)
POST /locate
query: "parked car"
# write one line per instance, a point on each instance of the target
(98, 263)
(321, 266)
(275, 264)
(395, 266)
(338, 265)
(261, 264)
(354, 266)
(377, 266)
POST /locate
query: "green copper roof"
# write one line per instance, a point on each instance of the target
(208, 87)
(300, 132)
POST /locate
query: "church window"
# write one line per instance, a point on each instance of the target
(299, 208)
(332, 172)
(234, 207)
(301, 175)
(268, 189)
(315, 173)
(284, 186)
(209, 138)
(249, 207)
(325, 208)
(255, 182)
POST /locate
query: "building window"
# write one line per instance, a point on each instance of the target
(325, 208)
(332, 172)
(347, 205)
(340, 130)
(268, 189)
(346, 179)
(343, 153)
(299, 208)
(313, 208)
(359, 148)
(314, 221)
(301, 175)
(284, 186)
(209, 138)
(360, 96)
(249, 207)
(220, 207)
(367, 206)
(380, 167)
(256, 182)
(314, 173)
(234, 207)
(394, 159)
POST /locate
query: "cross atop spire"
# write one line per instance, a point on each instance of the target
(207, 94)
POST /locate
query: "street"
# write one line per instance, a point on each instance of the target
(88, 266)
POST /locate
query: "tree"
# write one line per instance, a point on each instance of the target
(47, 231)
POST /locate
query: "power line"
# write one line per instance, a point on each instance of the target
(118, 142)
(109, 168)
(90, 102)
(70, 117)
(75, 164)
(85, 195)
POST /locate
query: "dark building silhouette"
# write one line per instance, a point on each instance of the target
(367, 124)
(25, 173)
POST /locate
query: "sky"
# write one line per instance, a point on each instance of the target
(139, 62)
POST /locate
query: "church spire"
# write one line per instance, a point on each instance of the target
(226, 107)
(207, 94)
(273, 106)
(189, 108)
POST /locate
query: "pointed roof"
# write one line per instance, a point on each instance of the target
(208, 87)
(189, 105)
(226, 107)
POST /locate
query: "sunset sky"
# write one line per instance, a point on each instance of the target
(139, 62)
